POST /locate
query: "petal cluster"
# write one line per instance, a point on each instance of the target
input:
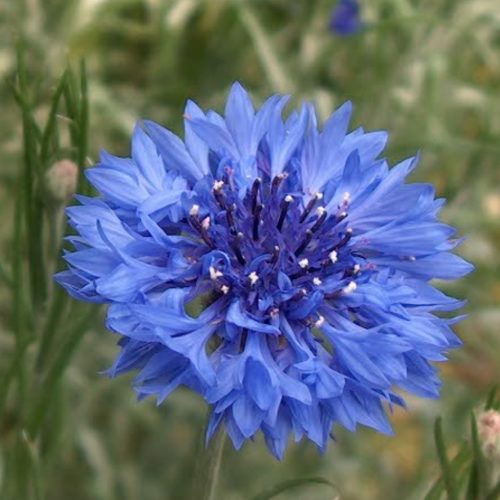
(308, 257)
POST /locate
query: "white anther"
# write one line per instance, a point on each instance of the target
(253, 277)
(356, 269)
(218, 185)
(320, 211)
(343, 214)
(317, 281)
(333, 256)
(318, 196)
(303, 291)
(224, 289)
(320, 321)
(350, 288)
(304, 263)
(412, 258)
(349, 230)
(289, 198)
(346, 197)
(205, 223)
(214, 273)
(194, 210)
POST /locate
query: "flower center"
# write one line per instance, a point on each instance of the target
(274, 248)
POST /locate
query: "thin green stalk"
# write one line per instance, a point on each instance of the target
(49, 129)
(270, 61)
(55, 372)
(449, 479)
(34, 462)
(51, 326)
(32, 180)
(208, 467)
(83, 118)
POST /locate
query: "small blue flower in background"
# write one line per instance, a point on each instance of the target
(313, 258)
(345, 19)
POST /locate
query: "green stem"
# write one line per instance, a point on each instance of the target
(270, 61)
(208, 466)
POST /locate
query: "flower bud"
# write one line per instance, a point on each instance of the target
(489, 432)
(61, 180)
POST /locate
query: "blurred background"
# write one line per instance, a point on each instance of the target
(428, 71)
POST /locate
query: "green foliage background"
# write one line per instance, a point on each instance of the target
(428, 71)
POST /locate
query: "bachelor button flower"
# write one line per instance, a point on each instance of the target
(312, 258)
(345, 18)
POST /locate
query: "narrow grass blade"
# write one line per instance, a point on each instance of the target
(292, 484)
(449, 478)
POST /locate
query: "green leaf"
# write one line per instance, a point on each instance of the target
(55, 371)
(456, 465)
(448, 476)
(491, 399)
(476, 477)
(291, 484)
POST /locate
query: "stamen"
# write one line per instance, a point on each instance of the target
(274, 312)
(300, 294)
(218, 185)
(277, 182)
(320, 321)
(322, 216)
(253, 277)
(346, 198)
(230, 218)
(224, 289)
(195, 222)
(276, 252)
(235, 245)
(229, 176)
(308, 208)
(284, 209)
(356, 269)
(214, 273)
(349, 288)
(304, 263)
(256, 221)
(345, 239)
(333, 256)
(255, 192)
(205, 223)
(317, 281)
(303, 245)
(341, 216)
(218, 194)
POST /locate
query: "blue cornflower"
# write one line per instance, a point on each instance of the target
(311, 256)
(345, 19)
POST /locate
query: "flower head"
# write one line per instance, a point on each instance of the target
(312, 258)
(345, 19)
